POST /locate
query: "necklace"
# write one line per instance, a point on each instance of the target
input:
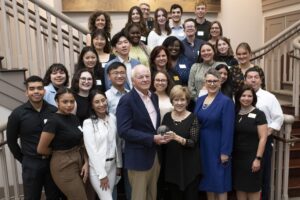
(207, 102)
(177, 119)
(244, 112)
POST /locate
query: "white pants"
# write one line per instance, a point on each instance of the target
(110, 167)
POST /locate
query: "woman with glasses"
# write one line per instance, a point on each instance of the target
(215, 113)
(82, 83)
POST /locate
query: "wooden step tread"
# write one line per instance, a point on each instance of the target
(294, 183)
(283, 92)
(295, 163)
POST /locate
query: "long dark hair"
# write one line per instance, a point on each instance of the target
(76, 78)
(141, 24)
(102, 33)
(238, 95)
(171, 40)
(156, 25)
(153, 55)
(226, 87)
(93, 114)
(200, 60)
(61, 91)
(98, 71)
(169, 85)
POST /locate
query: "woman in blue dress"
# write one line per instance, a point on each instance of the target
(215, 113)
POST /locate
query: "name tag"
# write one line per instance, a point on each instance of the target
(79, 127)
(182, 66)
(251, 115)
(143, 38)
(176, 78)
(200, 33)
(98, 82)
(181, 34)
(103, 65)
(45, 121)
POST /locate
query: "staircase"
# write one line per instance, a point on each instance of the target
(33, 36)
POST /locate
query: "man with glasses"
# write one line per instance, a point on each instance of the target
(191, 43)
(146, 14)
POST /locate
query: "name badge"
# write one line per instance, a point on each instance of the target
(176, 78)
(103, 65)
(181, 34)
(200, 33)
(98, 82)
(143, 38)
(45, 121)
(79, 127)
(182, 66)
(252, 115)
(198, 53)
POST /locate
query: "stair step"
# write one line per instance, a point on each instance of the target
(283, 92)
(295, 163)
(294, 183)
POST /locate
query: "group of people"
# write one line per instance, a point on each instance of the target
(165, 106)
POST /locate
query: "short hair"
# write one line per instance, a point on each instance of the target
(102, 33)
(154, 54)
(244, 45)
(179, 90)
(169, 85)
(227, 40)
(238, 95)
(220, 26)
(200, 60)
(61, 91)
(56, 67)
(156, 25)
(252, 69)
(93, 18)
(146, 4)
(170, 41)
(76, 78)
(115, 65)
(133, 72)
(175, 6)
(115, 39)
(213, 72)
(32, 79)
(200, 3)
(189, 20)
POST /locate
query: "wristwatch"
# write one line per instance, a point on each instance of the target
(258, 157)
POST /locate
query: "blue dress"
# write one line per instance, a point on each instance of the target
(216, 138)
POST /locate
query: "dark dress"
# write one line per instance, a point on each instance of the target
(216, 138)
(229, 60)
(182, 163)
(83, 108)
(246, 141)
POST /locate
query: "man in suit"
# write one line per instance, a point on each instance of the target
(137, 121)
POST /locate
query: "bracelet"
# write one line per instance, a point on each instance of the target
(258, 158)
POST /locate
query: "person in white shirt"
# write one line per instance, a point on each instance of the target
(175, 22)
(267, 103)
(102, 145)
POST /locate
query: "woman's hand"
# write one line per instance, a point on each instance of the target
(224, 158)
(104, 185)
(255, 165)
(84, 171)
(170, 135)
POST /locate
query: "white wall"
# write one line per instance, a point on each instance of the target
(242, 20)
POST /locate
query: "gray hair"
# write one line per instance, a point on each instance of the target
(214, 72)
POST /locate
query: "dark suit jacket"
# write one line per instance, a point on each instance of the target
(135, 127)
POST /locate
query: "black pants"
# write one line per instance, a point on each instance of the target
(266, 173)
(36, 175)
(190, 193)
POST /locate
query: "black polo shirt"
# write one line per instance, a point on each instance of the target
(26, 123)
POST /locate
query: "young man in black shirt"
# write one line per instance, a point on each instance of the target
(202, 24)
(26, 122)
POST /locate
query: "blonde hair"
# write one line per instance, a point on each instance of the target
(200, 3)
(179, 91)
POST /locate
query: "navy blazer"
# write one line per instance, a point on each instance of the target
(133, 63)
(135, 127)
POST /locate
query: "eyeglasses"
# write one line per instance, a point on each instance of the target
(116, 73)
(161, 80)
(86, 79)
(210, 82)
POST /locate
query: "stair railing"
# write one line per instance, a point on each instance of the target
(35, 36)
(278, 64)
(296, 74)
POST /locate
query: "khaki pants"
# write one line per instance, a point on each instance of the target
(65, 168)
(144, 183)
